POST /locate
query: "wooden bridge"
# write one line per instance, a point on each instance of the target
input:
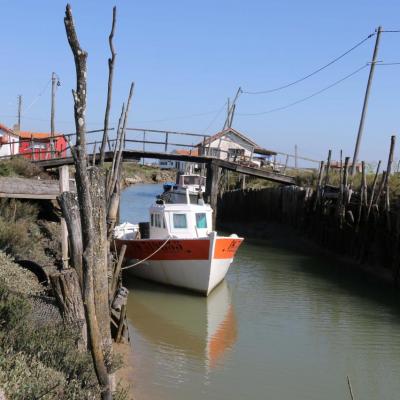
(213, 165)
(137, 155)
(243, 166)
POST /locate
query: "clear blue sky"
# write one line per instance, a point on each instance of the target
(187, 57)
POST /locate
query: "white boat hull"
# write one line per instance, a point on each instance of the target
(199, 275)
(195, 264)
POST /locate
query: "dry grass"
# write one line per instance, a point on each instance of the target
(19, 166)
(20, 234)
(16, 278)
(37, 361)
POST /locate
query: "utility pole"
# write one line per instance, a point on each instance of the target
(228, 112)
(19, 111)
(231, 110)
(54, 83)
(365, 105)
(295, 156)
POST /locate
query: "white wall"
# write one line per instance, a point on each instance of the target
(231, 141)
(12, 147)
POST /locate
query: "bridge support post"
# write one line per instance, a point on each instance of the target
(213, 173)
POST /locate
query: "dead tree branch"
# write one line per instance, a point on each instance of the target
(111, 62)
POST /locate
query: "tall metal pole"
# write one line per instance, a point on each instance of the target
(19, 111)
(295, 157)
(53, 100)
(365, 105)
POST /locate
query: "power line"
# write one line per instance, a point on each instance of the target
(308, 97)
(39, 95)
(390, 63)
(215, 118)
(312, 73)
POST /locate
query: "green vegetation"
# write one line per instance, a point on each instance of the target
(25, 237)
(309, 178)
(22, 167)
(37, 361)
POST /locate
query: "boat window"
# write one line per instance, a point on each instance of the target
(163, 222)
(201, 220)
(180, 221)
(158, 220)
(191, 180)
(152, 220)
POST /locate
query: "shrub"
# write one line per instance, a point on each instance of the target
(42, 361)
(19, 166)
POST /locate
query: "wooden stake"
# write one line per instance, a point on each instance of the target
(64, 187)
(350, 389)
(373, 189)
(318, 190)
(111, 62)
(117, 271)
(121, 323)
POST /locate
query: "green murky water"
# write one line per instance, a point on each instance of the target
(284, 325)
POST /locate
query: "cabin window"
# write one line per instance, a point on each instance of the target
(201, 220)
(158, 220)
(180, 221)
(152, 220)
(163, 222)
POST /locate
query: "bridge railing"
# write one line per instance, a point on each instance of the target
(161, 141)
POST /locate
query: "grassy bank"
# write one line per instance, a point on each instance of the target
(39, 357)
(136, 173)
(38, 354)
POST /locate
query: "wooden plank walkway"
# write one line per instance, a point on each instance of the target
(136, 155)
(23, 188)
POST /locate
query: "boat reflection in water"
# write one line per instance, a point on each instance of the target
(178, 322)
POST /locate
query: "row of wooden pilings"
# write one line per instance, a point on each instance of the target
(369, 239)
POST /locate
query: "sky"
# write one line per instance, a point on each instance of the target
(186, 58)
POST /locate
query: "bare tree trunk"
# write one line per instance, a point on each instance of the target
(111, 62)
(85, 202)
(67, 291)
(100, 255)
(70, 209)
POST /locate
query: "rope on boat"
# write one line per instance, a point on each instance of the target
(149, 256)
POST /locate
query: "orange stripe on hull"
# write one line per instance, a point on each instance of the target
(176, 249)
(226, 247)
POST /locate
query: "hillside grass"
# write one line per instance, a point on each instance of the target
(21, 167)
(37, 362)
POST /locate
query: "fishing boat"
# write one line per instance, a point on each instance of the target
(178, 246)
(192, 183)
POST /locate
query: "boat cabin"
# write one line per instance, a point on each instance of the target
(193, 182)
(180, 220)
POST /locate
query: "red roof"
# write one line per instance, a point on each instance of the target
(184, 152)
(35, 135)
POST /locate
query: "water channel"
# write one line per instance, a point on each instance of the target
(285, 324)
